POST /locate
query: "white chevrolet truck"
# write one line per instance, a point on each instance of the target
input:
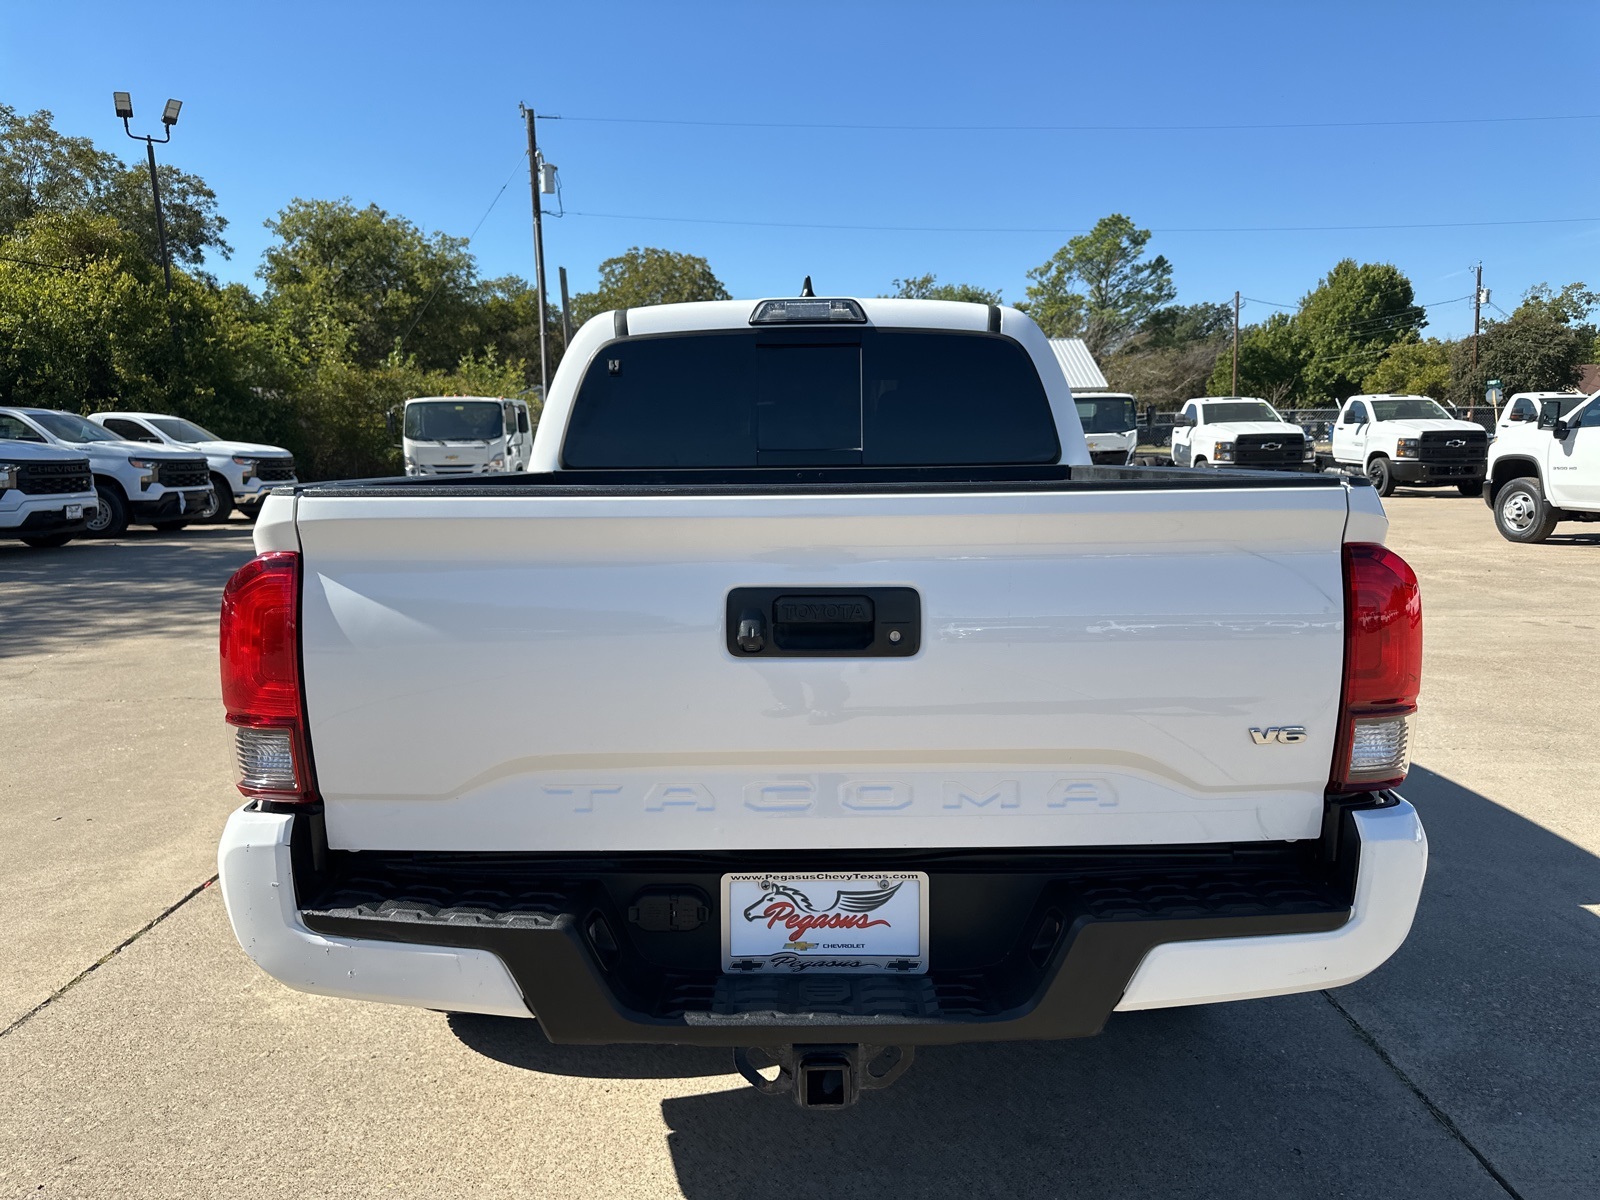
(1409, 440)
(1239, 431)
(811, 697)
(241, 472)
(46, 495)
(1546, 470)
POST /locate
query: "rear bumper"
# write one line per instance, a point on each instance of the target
(1151, 942)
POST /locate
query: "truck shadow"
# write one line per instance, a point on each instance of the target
(1489, 1010)
(145, 583)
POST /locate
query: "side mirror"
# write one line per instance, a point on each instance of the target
(1561, 429)
(1183, 421)
(1550, 414)
(1516, 414)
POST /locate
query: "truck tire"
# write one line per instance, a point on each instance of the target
(1521, 513)
(47, 541)
(110, 517)
(1471, 490)
(1199, 464)
(223, 491)
(1382, 477)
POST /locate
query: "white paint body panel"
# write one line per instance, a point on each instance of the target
(258, 887)
(549, 673)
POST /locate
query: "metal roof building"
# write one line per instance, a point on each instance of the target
(1078, 365)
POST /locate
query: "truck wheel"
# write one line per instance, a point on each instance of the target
(47, 541)
(1382, 477)
(223, 491)
(110, 516)
(1200, 464)
(1471, 490)
(1521, 513)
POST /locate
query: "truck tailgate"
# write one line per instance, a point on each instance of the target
(550, 672)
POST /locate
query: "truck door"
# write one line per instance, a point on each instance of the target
(1574, 464)
(1350, 434)
(1183, 436)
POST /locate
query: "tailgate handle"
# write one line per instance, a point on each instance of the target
(839, 622)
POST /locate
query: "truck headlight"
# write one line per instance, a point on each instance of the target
(1408, 448)
(249, 464)
(497, 463)
(1310, 454)
(1224, 451)
(146, 465)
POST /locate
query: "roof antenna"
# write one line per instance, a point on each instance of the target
(805, 288)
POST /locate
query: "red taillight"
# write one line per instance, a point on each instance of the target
(1382, 669)
(261, 679)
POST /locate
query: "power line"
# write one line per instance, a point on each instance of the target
(33, 262)
(609, 216)
(987, 128)
(470, 236)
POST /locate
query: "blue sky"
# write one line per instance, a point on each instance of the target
(414, 107)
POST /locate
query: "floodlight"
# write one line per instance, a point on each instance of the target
(169, 115)
(124, 103)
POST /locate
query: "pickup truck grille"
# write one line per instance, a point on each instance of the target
(53, 479)
(275, 470)
(1453, 446)
(186, 473)
(1269, 451)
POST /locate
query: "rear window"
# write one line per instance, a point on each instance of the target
(810, 397)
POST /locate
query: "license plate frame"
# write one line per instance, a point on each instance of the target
(825, 922)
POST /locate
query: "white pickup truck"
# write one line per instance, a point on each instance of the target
(1239, 431)
(812, 697)
(1547, 470)
(46, 494)
(242, 473)
(1410, 440)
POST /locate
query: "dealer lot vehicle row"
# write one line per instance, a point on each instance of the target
(142, 468)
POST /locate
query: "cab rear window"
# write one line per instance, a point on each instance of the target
(810, 397)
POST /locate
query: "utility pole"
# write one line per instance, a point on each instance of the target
(566, 314)
(1236, 343)
(1477, 312)
(538, 248)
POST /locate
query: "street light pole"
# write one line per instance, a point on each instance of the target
(169, 118)
(1236, 343)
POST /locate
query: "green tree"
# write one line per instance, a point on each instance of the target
(1416, 367)
(1100, 284)
(1171, 358)
(1539, 347)
(1272, 357)
(641, 276)
(1348, 322)
(362, 284)
(928, 287)
(44, 171)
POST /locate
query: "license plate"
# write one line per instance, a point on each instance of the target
(74, 512)
(831, 922)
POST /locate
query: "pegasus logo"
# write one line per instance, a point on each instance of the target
(854, 902)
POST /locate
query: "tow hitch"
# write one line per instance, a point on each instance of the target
(823, 1076)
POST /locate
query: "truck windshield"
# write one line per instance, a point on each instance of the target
(811, 397)
(454, 421)
(1101, 414)
(71, 428)
(1409, 408)
(180, 430)
(1240, 410)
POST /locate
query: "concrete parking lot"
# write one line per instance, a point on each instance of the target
(143, 1055)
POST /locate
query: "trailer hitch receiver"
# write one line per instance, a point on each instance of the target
(823, 1075)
